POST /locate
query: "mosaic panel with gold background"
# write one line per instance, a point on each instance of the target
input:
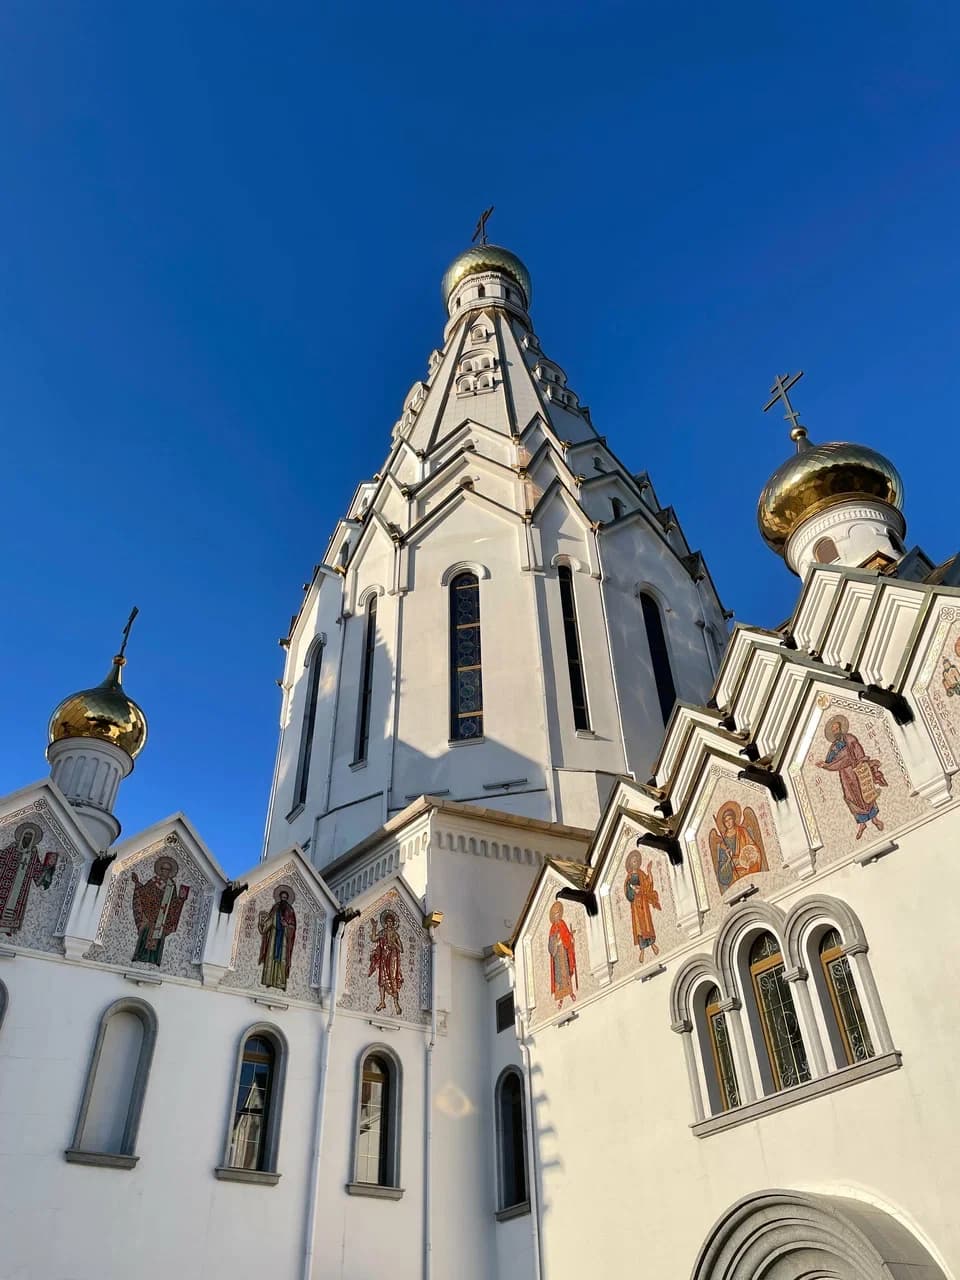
(387, 969)
(642, 904)
(39, 873)
(278, 945)
(560, 956)
(736, 838)
(937, 688)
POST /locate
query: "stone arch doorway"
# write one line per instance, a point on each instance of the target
(793, 1235)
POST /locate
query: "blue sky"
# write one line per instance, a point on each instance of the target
(223, 228)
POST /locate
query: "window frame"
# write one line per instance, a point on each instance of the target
(390, 1189)
(713, 1009)
(308, 723)
(826, 958)
(573, 648)
(367, 661)
(126, 1158)
(659, 649)
(267, 1174)
(515, 1207)
(457, 583)
(761, 1006)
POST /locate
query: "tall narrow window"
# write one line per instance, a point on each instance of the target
(659, 656)
(308, 727)
(466, 684)
(366, 680)
(109, 1118)
(511, 1146)
(845, 999)
(251, 1114)
(376, 1152)
(778, 1017)
(571, 634)
(724, 1070)
(617, 506)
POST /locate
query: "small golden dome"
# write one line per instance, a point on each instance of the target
(486, 257)
(104, 712)
(819, 476)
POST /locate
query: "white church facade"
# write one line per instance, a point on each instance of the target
(587, 937)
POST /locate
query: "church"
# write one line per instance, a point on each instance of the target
(589, 936)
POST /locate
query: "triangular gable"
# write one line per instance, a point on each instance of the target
(386, 956)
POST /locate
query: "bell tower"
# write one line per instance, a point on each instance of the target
(505, 614)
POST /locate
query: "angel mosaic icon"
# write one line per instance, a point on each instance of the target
(157, 906)
(950, 675)
(860, 775)
(22, 866)
(563, 957)
(278, 932)
(640, 891)
(736, 844)
(386, 959)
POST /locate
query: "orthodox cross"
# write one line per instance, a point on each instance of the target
(126, 630)
(480, 231)
(779, 391)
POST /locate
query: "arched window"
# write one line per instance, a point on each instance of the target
(617, 506)
(723, 1088)
(466, 683)
(825, 551)
(109, 1118)
(511, 1141)
(778, 1018)
(571, 635)
(659, 656)
(845, 1003)
(4, 1001)
(308, 727)
(377, 1146)
(481, 291)
(253, 1134)
(366, 680)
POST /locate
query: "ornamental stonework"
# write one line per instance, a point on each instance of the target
(387, 967)
(937, 687)
(852, 781)
(736, 839)
(156, 911)
(40, 870)
(278, 944)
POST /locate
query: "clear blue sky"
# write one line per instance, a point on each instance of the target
(223, 228)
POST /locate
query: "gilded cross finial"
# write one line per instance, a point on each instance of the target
(126, 634)
(480, 231)
(779, 391)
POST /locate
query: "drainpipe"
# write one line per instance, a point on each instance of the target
(313, 1188)
(431, 920)
(532, 1162)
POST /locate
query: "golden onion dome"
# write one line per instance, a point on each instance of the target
(104, 712)
(486, 257)
(820, 476)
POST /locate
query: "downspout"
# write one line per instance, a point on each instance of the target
(431, 920)
(532, 1162)
(313, 1186)
(613, 669)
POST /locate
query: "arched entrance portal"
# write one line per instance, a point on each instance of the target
(791, 1235)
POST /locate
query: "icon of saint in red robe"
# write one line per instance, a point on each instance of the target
(157, 905)
(563, 957)
(860, 775)
(386, 959)
(641, 892)
(278, 932)
(20, 867)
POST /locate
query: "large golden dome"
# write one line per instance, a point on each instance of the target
(104, 712)
(486, 257)
(819, 476)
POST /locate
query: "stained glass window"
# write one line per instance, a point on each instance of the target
(373, 1135)
(248, 1138)
(512, 1147)
(847, 1009)
(466, 684)
(725, 1073)
(659, 656)
(309, 726)
(571, 633)
(366, 680)
(778, 1017)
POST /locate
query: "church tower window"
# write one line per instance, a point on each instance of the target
(366, 681)
(511, 1143)
(659, 655)
(466, 682)
(617, 507)
(779, 1023)
(116, 1084)
(571, 635)
(825, 551)
(724, 1070)
(845, 999)
(376, 1152)
(308, 727)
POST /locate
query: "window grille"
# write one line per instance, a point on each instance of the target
(778, 1017)
(725, 1072)
(466, 683)
(845, 999)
